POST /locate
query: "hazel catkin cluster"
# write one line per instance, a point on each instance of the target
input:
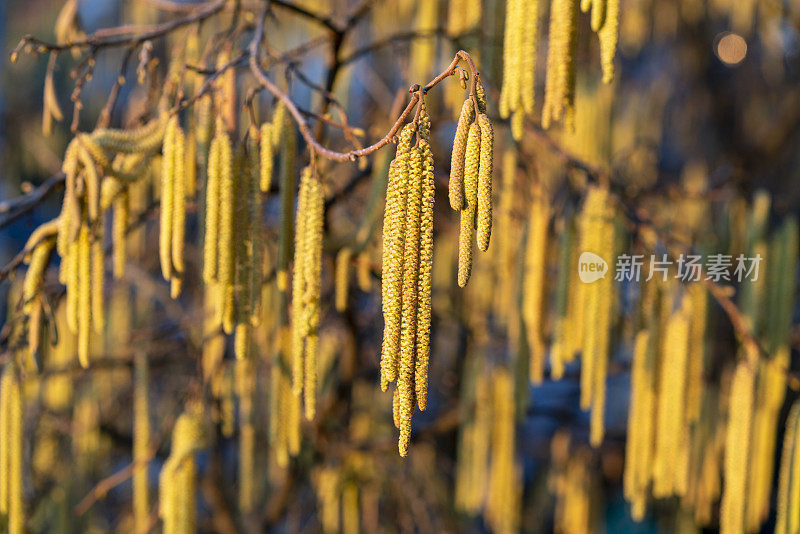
(470, 187)
(407, 262)
(519, 62)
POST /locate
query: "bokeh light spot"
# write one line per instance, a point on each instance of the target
(730, 48)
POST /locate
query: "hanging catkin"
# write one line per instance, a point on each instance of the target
(177, 484)
(11, 453)
(342, 278)
(641, 414)
(517, 96)
(737, 449)
(306, 287)
(141, 441)
(226, 262)
(788, 502)
(467, 233)
(283, 135)
(393, 243)
(609, 35)
(484, 215)
(559, 92)
(456, 187)
(425, 267)
(120, 223)
(534, 281)
(671, 414)
(167, 197)
(597, 236)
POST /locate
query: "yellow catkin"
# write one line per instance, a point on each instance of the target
(328, 492)
(502, 506)
(609, 35)
(737, 450)
(512, 57)
(91, 183)
(696, 366)
(599, 9)
(641, 413)
(467, 233)
(288, 142)
(299, 285)
(393, 243)
(212, 208)
(11, 455)
(34, 278)
(167, 197)
(407, 365)
(457, 161)
(306, 288)
(70, 264)
(597, 236)
(190, 163)
(266, 157)
(245, 385)
(484, 215)
(84, 294)
(534, 282)
(179, 205)
(177, 484)
(119, 237)
(788, 501)
(225, 246)
(350, 509)
(342, 285)
(560, 82)
(425, 273)
(364, 272)
(98, 257)
(530, 35)
(671, 414)
(141, 442)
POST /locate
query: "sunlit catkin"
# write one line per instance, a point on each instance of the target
(609, 35)
(737, 450)
(456, 187)
(393, 243)
(484, 215)
(671, 414)
(306, 288)
(788, 501)
(425, 273)
(560, 82)
(11, 450)
(97, 281)
(597, 236)
(167, 197)
(226, 266)
(84, 282)
(177, 484)
(519, 62)
(266, 157)
(141, 441)
(534, 282)
(119, 238)
(468, 214)
(178, 206)
(342, 278)
(503, 500)
(281, 128)
(406, 365)
(216, 163)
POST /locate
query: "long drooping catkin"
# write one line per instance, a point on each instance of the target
(484, 215)
(671, 414)
(425, 270)
(11, 450)
(34, 278)
(519, 62)
(266, 156)
(560, 83)
(177, 485)
(393, 244)
(597, 236)
(609, 35)
(167, 197)
(468, 214)
(642, 411)
(119, 231)
(226, 263)
(502, 505)
(306, 288)
(141, 441)
(84, 281)
(737, 449)
(97, 282)
(178, 206)
(696, 364)
(342, 278)
(218, 160)
(407, 365)
(788, 502)
(534, 282)
(457, 158)
(283, 135)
